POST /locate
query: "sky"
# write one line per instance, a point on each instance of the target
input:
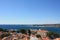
(29, 11)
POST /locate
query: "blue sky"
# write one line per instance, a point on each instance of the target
(29, 11)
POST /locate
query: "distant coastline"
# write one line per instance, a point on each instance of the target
(43, 25)
(48, 25)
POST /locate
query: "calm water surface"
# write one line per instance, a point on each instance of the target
(54, 29)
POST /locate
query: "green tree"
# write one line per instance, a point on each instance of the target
(29, 32)
(1, 29)
(38, 36)
(23, 31)
(53, 35)
(4, 35)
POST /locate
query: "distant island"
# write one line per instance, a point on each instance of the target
(47, 25)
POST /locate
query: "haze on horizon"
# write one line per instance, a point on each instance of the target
(29, 11)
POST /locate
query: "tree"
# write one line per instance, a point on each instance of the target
(53, 35)
(1, 29)
(29, 32)
(4, 35)
(4, 30)
(23, 31)
(38, 36)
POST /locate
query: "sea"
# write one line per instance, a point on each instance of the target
(53, 29)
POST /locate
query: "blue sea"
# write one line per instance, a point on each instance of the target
(53, 29)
